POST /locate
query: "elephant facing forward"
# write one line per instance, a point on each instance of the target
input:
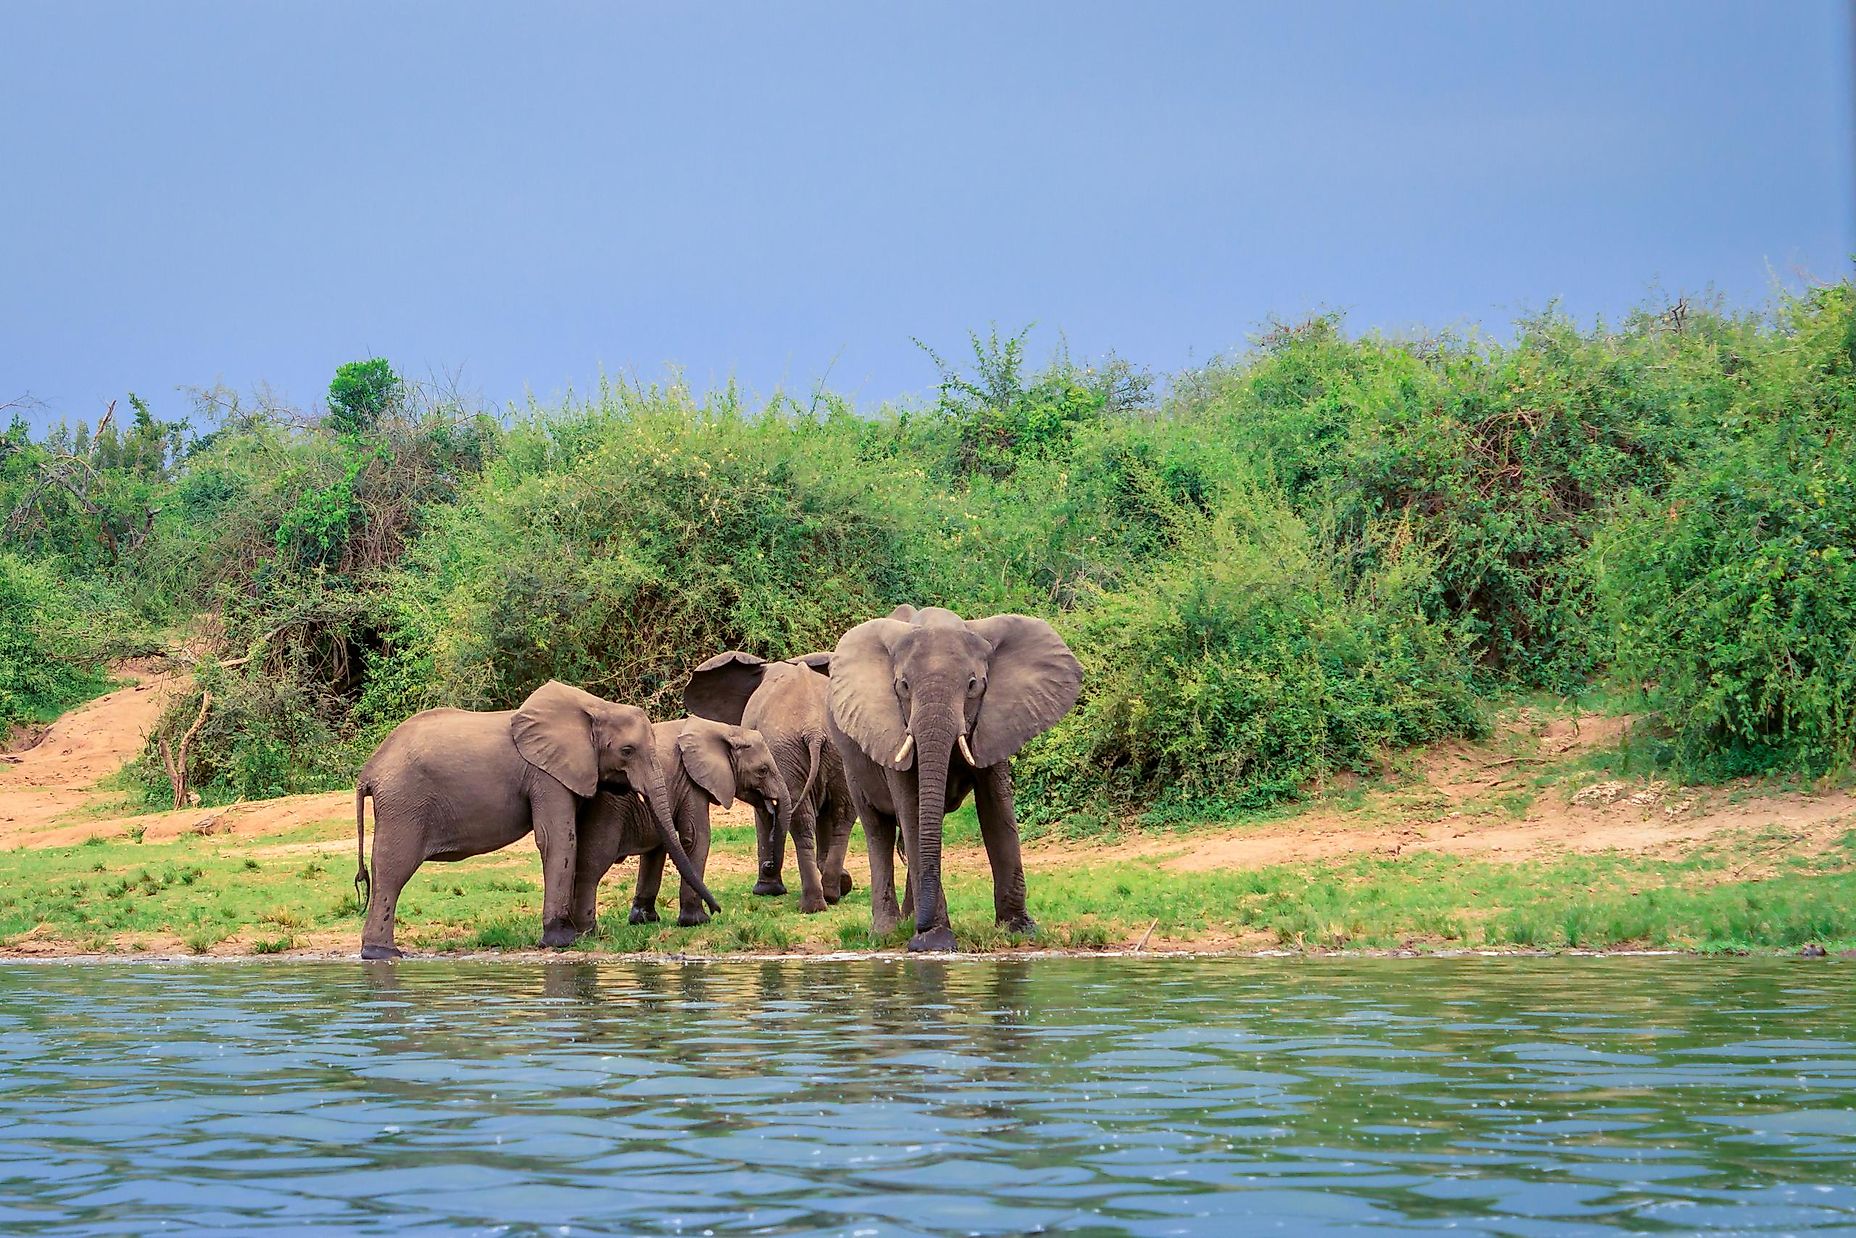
(705, 764)
(925, 708)
(448, 784)
(789, 703)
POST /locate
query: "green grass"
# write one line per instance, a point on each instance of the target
(1756, 892)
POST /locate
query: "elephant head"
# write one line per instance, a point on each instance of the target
(584, 741)
(926, 688)
(726, 761)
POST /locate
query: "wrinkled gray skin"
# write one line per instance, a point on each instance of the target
(790, 703)
(705, 764)
(906, 691)
(452, 783)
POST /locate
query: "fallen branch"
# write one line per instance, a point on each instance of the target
(1142, 944)
(176, 761)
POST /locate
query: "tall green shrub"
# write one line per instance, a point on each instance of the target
(48, 653)
(1248, 670)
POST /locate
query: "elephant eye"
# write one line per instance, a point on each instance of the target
(973, 684)
(902, 683)
(626, 750)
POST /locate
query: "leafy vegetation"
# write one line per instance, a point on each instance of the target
(1279, 567)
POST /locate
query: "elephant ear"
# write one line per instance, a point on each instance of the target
(720, 688)
(554, 732)
(1032, 681)
(706, 751)
(863, 689)
(820, 662)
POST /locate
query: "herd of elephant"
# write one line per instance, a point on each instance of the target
(895, 727)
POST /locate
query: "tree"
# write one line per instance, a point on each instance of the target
(361, 392)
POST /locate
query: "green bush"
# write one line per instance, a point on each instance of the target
(49, 654)
(618, 544)
(1731, 592)
(1504, 459)
(1246, 671)
(1735, 605)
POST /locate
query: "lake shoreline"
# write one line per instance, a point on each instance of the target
(79, 957)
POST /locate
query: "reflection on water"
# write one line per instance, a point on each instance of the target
(1541, 1096)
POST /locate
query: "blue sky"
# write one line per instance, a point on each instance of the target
(528, 195)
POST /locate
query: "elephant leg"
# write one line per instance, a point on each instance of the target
(770, 841)
(590, 867)
(999, 831)
(880, 840)
(695, 835)
(554, 809)
(650, 880)
(834, 838)
(393, 868)
(805, 851)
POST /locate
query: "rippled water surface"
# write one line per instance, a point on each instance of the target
(1540, 1096)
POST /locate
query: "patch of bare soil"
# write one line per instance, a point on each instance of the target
(56, 776)
(1453, 806)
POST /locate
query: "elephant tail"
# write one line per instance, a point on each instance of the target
(363, 884)
(814, 746)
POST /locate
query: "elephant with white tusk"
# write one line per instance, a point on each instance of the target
(926, 707)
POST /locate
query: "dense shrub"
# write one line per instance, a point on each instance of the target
(618, 544)
(48, 652)
(1504, 459)
(1248, 670)
(1734, 594)
(1293, 561)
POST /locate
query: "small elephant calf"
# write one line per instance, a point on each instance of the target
(705, 763)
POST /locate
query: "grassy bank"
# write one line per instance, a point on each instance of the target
(1755, 891)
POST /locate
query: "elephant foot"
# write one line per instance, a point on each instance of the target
(936, 940)
(690, 919)
(643, 915)
(1021, 925)
(770, 886)
(845, 884)
(382, 952)
(558, 937)
(883, 924)
(812, 906)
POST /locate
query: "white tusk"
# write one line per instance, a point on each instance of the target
(967, 753)
(902, 753)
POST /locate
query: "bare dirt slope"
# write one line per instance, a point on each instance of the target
(1462, 799)
(53, 775)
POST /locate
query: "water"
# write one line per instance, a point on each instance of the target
(898, 1096)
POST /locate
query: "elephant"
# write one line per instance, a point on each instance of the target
(448, 784)
(705, 763)
(788, 702)
(926, 707)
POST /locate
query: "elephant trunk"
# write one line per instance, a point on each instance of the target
(935, 730)
(783, 816)
(667, 834)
